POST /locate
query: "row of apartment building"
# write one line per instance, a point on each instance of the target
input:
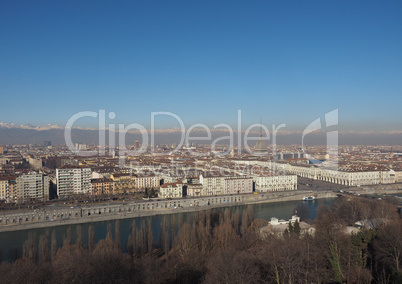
(123, 183)
(338, 176)
(348, 178)
(78, 180)
(31, 186)
(214, 184)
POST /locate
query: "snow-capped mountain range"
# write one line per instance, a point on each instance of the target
(37, 127)
(30, 126)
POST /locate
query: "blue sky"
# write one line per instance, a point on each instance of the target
(282, 61)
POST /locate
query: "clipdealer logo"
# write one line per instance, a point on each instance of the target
(187, 135)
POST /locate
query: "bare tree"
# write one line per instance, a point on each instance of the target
(302, 211)
(53, 245)
(384, 211)
(109, 234)
(117, 234)
(141, 239)
(91, 237)
(236, 221)
(165, 236)
(79, 239)
(67, 238)
(246, 220)
(29, 248)
(44, 255)
(180, 220)
(173, 228)
(224, 236)
(232, 266)
(150, 236)
(184, 241)
(131, 239)
(389, 246)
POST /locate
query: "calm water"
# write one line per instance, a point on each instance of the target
(11, 242)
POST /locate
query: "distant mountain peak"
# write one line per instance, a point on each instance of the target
(30, 126)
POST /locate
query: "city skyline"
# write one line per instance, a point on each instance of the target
(282, 62)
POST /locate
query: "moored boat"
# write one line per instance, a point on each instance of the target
(310, 198)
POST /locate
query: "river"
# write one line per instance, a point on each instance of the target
(11, 242)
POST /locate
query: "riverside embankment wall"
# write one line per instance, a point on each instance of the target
(394, 188)
(47, 216)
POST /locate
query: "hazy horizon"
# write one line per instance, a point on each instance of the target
(56, 136)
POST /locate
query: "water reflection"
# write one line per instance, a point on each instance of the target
(12, 242)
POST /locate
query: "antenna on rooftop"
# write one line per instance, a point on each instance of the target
(260, 127)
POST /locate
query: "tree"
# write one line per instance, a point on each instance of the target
(184, 241)
(131, 239)
(79, 239)
(246, 220)
(333, 243)
(141, 240)
(173, 227)
(224, 236)
(44, 255)
(233, 266)
(117, 234)
(335, 260)
(293, 228)
(29, 248)
(150, 235)
(53, 245)
(109, 234)
(165, 236)
(67, 238)
(388, 246)
(91, 237)
(289, 229)
(302, 211)
(384, 211)
(296, 228)
(202, 229)
(284, 259)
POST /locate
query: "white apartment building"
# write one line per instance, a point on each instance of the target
(147, 181)
(275, 183)
(212, 184)
(171, 179)
(194, 189)
(73, 180)
(349, 178)
(3, 160)
(4, 194)
(8, 189)
(32, 186)
(238, 185)
(171, 190)
(222, 184)
(398, 176)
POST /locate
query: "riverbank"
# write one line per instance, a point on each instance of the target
(242, 200)
(395, 188)
(51, 217)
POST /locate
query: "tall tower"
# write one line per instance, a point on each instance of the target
(261, 146)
